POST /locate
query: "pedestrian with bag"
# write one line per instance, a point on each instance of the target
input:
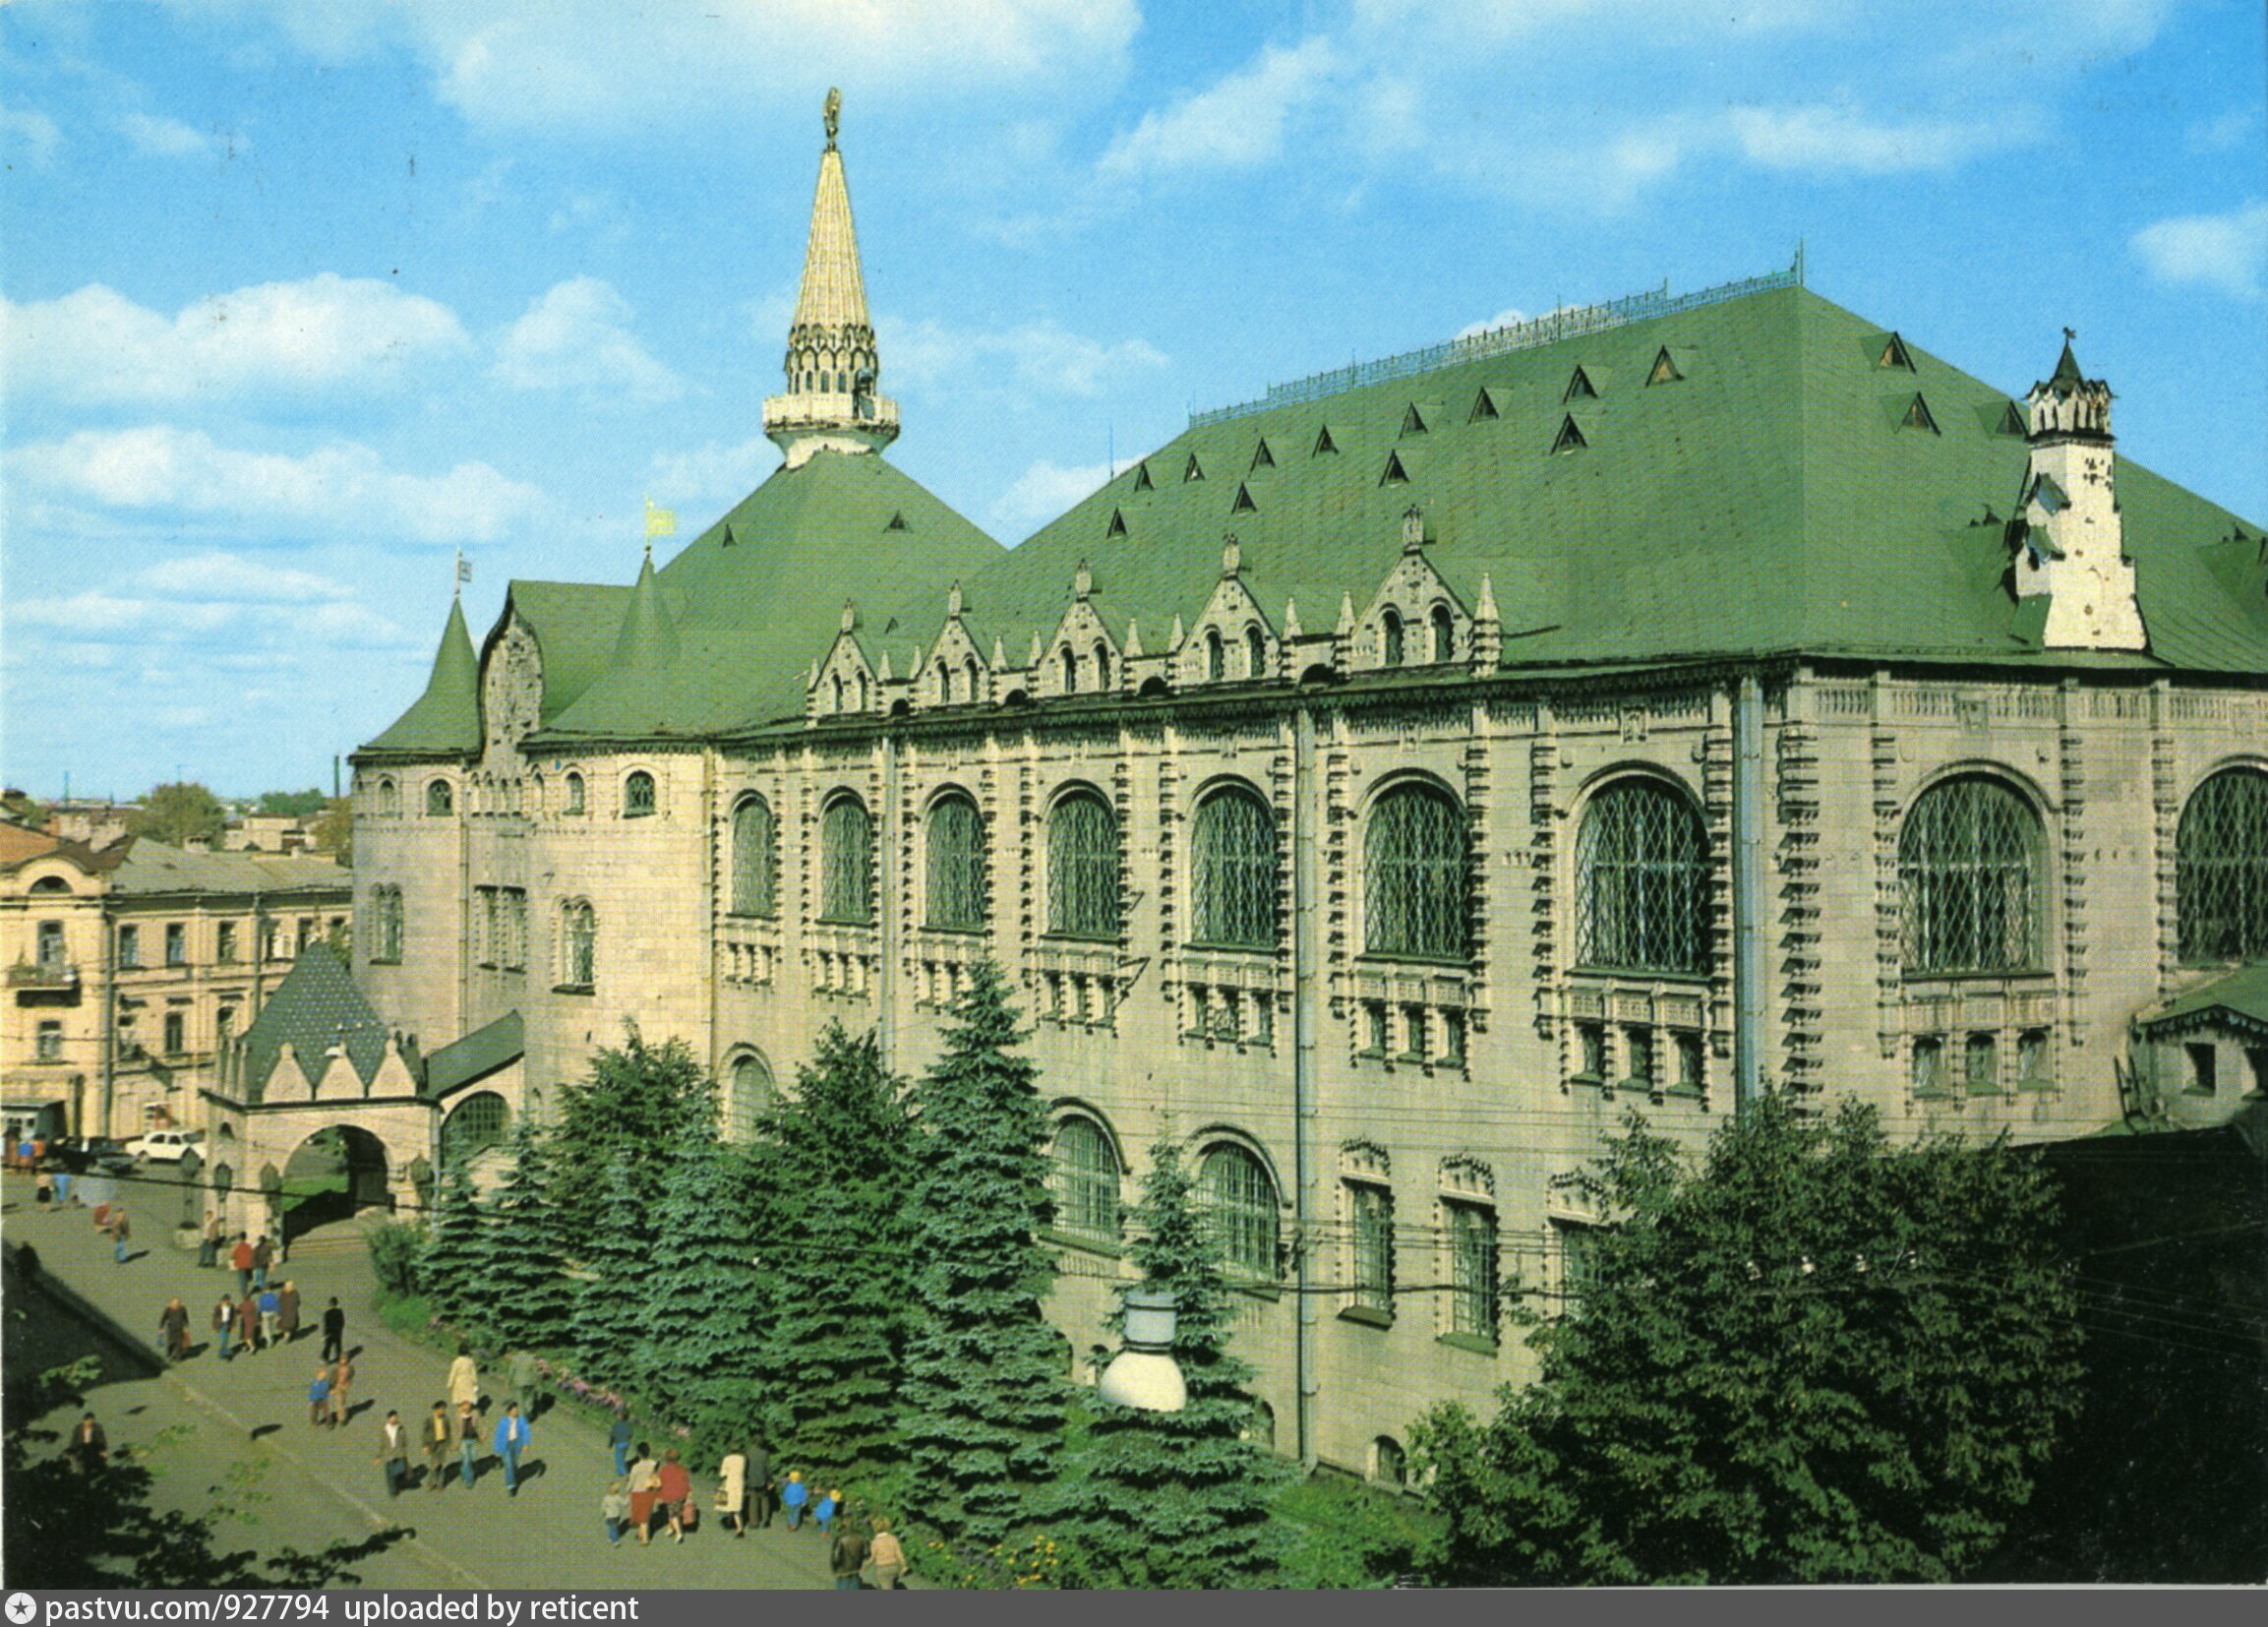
(394, 1453)
(463, 1378)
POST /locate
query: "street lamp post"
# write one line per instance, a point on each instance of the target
(1144, 1374)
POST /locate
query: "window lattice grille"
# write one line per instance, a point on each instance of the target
(956, 866)
(1086, 1181)
(755, 859)
(1472, 1270)
(846, 864)
(748, 1098)
(1240, 1206)
(1370, 1214)
(1968, 870)
(1234, 872)
(2221, 870)
(1641, 882)
(1083, 867)
(639, 795)
(1414, 878)
(479, 1123)
(580, 947)
(437, 800)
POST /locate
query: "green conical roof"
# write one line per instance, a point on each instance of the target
(2067, 374)
(446, 717)
(648, 639)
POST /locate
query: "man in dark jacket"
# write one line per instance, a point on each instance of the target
(333, 1331)
(847, 1556)
(173, 1323)
(759, 1485)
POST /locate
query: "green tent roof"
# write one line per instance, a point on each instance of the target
(314, 1007)
(2243, 991)
(446, 717)
(751, 603)
(1779, 493)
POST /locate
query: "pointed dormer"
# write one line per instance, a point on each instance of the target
(2068, 537)
(834, 372)
(648, 638)
(446, 717)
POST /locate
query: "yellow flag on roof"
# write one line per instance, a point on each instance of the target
(660, 522)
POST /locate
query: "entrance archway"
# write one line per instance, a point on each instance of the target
(333, 1174)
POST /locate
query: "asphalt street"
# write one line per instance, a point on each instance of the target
(236, 1435)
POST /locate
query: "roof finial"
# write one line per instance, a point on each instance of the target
(834, 116)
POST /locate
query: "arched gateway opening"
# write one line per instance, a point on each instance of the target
(335, 1175)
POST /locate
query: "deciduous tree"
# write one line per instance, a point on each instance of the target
(177, 813)
(1816, 1359)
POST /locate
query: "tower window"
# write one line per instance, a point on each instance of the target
(1444, 633)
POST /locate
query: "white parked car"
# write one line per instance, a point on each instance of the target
(165, 1146)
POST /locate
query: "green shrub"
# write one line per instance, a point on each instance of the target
(393, 1250)
(410, 1315)
(1337, 1533)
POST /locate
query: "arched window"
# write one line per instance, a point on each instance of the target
(575, 794)
(1387, 1465)
(944, 684)
(579, 944)
(1414, 871)
(1086, 1181)
(388, 796)
(1444, 633)
(637, 795)
(748, 1095)
(1083, 867)
(2221, 870)
(1101, 666)
(1969, 873)
(476, 1124)
(439, 799)
(755, 859)
(1255, 653)
(1216, 656)
(1070, 670)
(385, 923)
(1240, 1207)
(975, 679)
(1233, 872)
(1642, 880)
(955, 865)
(846, 864)
(1391, 625)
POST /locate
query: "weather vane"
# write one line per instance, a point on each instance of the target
(834, 115)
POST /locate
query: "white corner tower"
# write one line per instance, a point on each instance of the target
(833, 400)
(2069, 539)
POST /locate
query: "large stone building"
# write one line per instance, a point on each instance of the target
(1385, 786)
(132, 967)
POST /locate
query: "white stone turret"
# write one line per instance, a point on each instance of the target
(2069, 540)
(835, 400)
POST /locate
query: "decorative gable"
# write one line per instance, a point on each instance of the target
(1081, 658)
(844, 679)
(1231, 640)
(1415, 618)
(955, 672)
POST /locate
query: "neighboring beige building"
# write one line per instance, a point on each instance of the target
(128, 967)
(1384, 788)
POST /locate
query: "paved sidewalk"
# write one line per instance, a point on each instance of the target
(326, 1483)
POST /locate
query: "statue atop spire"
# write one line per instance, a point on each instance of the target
(833, 402)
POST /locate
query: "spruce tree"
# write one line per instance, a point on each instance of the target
(1176, 1499)
(457, 1254)
(531, 1301)
(610, 1298)
(984, 1373)
(837, 1160)
(639, 1102)
(703, 1310)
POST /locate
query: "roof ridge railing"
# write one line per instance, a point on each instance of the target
(1568, 323)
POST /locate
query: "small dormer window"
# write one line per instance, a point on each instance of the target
(1896, 354)
(1665, 370)
(1483, 406)
(639, 795)
(1412, 420)
(1101, 666)
(1580, 387)
(1141, 480)
(975, 680)
(1390, 624)
(1324, 442)
(1918, 416)
(1570, 437)
(1395, 474)
(1244, 504)
(1117, 525)
(1262, 458)
(1192, 470)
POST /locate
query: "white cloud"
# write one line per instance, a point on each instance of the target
(1846, 140)
(712, 476)
(34, 132)
(158, 136)
(221, 575)
(1237, 124)
(2224, 133)
(341, 489)
(97, 346)
(600, 66)
(576, 336)
(2227, 252)
(1039, 358)
(1039, 494)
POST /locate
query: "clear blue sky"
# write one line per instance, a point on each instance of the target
(304, 295)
